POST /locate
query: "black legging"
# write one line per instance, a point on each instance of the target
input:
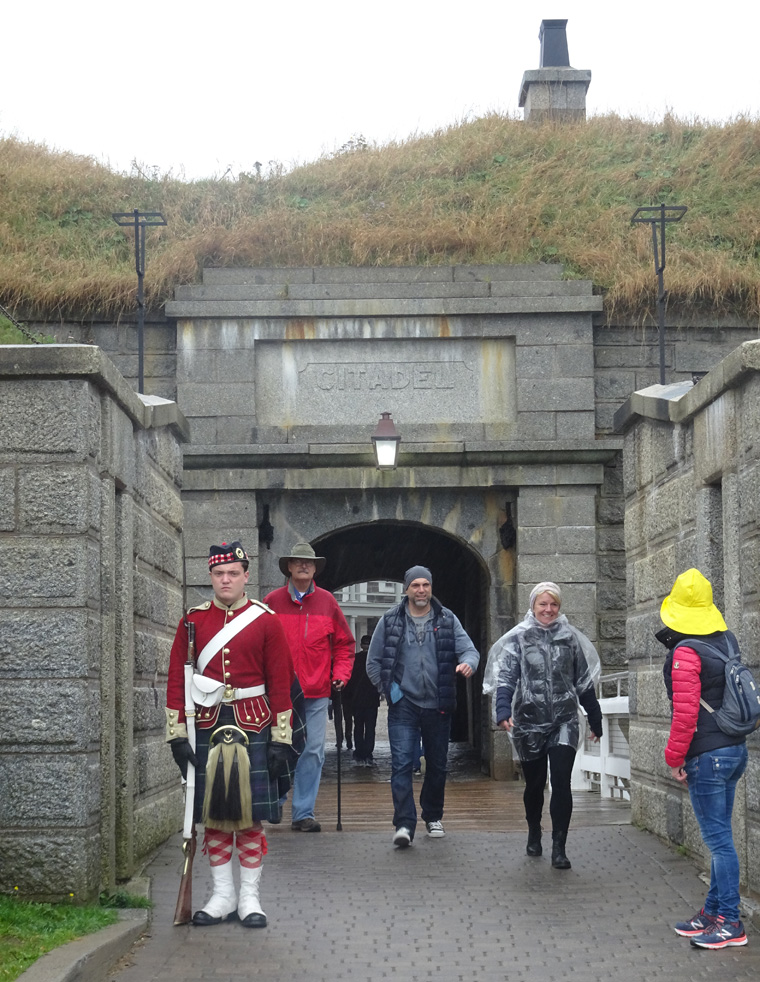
(561, 759)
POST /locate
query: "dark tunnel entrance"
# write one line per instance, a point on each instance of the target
(384, 551)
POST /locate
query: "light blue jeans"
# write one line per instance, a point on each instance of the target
(712, 779)
(309, 766)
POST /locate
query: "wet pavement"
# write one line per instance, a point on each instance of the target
(470, 906)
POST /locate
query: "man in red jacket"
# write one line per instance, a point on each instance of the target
(322, 647)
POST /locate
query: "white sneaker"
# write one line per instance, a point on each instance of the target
(402, 837)
(435, 830)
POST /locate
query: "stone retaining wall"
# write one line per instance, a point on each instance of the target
(90, 572)
(692, 485)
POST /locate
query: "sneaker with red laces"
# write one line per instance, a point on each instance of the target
(722, 934)
(699, 923)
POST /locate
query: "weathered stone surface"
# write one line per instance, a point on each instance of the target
(59, 575)
(49, 865)
(690, 483)
(323, 308)
(35, 643)
(44, 792)
(58, 499)
(7, 499)
(538, 541)
(565, 569)
(47, 430)
(29, 723)
(67, 615)
(148, 709)
(155, 820)
(117, 450)
(576, 539)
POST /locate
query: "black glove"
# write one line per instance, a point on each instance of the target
(281, 759)
(183, 754)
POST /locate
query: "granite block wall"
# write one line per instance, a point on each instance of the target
(690, 463)
(90, 567)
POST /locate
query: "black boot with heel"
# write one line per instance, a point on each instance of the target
(534, 840)
(559, 859)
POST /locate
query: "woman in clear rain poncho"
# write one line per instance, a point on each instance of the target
(538, 673)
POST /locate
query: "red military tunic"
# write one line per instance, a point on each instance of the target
(258, 655)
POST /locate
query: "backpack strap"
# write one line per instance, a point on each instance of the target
(702, 647)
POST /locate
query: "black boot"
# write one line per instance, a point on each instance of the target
(559, 859)
(534, 840)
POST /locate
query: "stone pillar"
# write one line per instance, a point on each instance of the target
(554, 91)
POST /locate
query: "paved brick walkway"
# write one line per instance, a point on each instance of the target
(471, 906)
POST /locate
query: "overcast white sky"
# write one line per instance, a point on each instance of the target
(197, 87)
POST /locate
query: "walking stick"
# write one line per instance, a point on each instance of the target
(338, 713)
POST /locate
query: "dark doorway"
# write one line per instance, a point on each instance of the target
(384, 551)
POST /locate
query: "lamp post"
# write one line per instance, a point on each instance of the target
(661, 215)
(385, 441)
(138, 220)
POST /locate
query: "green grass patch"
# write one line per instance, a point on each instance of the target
(10, 334)
(29, 930)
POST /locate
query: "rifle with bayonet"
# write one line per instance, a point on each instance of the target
(183, 911)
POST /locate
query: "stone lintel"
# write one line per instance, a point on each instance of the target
(472, 289)
(441, 307)
(319, 476)
(466, 454)
(282, 275)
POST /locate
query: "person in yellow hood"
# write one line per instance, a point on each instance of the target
(699, 753)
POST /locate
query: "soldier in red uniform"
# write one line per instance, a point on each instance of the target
(241, 691)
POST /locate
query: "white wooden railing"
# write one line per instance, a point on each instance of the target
(606, 766)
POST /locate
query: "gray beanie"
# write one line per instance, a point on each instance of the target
(417, 573)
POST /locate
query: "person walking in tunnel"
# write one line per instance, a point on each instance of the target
(540, 671)
(417, 650)
(322, 647)
(241, 696)
(699, 753)
(364, 702)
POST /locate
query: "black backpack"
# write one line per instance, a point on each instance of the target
(739, 713)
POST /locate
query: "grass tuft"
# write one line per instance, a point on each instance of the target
(492, 190)
(29, 930)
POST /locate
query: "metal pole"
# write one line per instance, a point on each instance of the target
(139, 221)
(659, 215)
(140, 270)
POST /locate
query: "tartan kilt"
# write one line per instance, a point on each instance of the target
(285, 783)
(264, 791)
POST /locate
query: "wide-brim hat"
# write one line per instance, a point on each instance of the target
(689, 607)
(302, 550)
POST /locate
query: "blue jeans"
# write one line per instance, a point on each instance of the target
(406, 724)
(309, 766)
(712, 779)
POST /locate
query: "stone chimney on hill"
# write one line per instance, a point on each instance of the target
(554, 90)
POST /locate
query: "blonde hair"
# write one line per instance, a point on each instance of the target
(546, 587)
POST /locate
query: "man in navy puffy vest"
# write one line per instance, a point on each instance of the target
(417, 650)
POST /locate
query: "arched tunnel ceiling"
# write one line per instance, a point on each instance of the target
(385, 550)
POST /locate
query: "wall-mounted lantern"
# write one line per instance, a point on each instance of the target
(385, 441)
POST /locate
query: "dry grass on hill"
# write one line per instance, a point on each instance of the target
(489, 191)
